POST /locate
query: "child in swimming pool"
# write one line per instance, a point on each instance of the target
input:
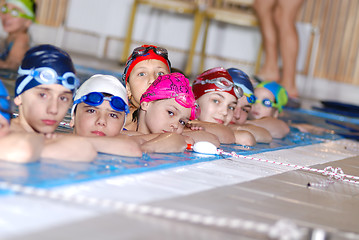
(15, 147)
(217, 97)
(99, 110)
(244, 106)
(16, 18)
(43, 94)
(270, 98)
(142, 68)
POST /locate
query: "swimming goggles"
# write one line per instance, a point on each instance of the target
(97, 98)
(250, 98)
(14, 12)
(141, 51)
(224, 84)
(46, 75)
(267, 103)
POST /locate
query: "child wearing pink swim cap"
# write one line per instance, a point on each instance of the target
(167, 105)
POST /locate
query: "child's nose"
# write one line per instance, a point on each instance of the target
(53, 107)
(101, 120)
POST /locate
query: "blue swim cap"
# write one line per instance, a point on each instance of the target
(46, 64)
(241, 79)
(4, 102)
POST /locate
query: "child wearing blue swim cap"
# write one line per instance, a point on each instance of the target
(244, 106)
(44, 89)
(16, 18)
(43, 94)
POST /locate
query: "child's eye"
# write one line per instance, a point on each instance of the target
(170, 113)
(215, 101)
(64, 99)
(42, 95)
(160, 73)
(183, 123)
(231, 108)
(141, 74)
(113, 115)
(245, 110)
(90, 110)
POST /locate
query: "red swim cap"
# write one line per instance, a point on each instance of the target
(145, 52)
(215, 79)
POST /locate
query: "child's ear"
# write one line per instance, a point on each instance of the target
(144, 106)
(18, 100)
(72, 122)
(128, 91)
(28, 23)
(275, 113)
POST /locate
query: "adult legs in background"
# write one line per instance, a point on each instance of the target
(277, 24)
(265, 12)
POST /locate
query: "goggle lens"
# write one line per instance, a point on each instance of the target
(96, 99)
(250, 98)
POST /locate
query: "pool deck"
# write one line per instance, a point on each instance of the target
(254, 197)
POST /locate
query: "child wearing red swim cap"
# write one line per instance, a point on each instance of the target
(142, 68)
(217, 95)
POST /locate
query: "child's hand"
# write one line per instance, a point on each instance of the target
(50, 136)
(194, 126)
(307, 128)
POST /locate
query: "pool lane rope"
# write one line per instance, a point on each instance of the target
(283, 229)
(332, 173)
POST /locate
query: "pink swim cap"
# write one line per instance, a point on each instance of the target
(173, 85)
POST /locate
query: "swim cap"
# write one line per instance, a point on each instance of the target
(145, 52)
(215, 79)
(4, 102)
(27, 6)
(173, 85)
(241, 79)
(102, 84)
(279, 92)
(46, 64)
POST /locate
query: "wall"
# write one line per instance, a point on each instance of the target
(98, 28)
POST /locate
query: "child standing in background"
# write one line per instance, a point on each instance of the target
(217, 96)
(142, 68)
(16, 18)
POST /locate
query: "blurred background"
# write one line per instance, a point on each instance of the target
(94, 32)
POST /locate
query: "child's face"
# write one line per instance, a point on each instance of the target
(13, 24)
(258, 109)
(102, 120)
(4, 126)
(142, 76)
(241, 111)
(164, 116)
(42, 108)
(217, 107)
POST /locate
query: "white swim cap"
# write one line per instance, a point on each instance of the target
(103, 84)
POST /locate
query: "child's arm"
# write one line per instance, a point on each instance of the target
(17, 52)
(276, 127)
(166, 143)
(68, 147)
(224, 133)
(260, 134)
(21, 147)
(120, 145)
(199, 135)
(244, 138)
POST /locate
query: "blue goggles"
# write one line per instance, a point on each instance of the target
(267, 103)
(250, 98)
(97, 98)
(46, 75)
